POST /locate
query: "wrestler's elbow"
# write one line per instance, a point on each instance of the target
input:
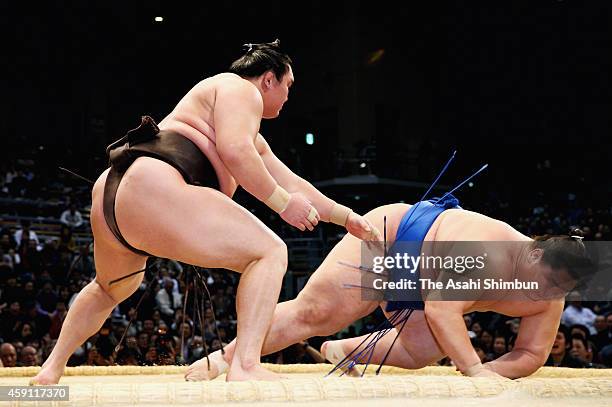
(523, 370)
(434, 310)
(537, 360)
(234, 153)
(434, 314)
(528, 370)
(530, 362)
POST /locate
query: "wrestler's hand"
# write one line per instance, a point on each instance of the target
(361, 228)
(300, 213)
(488, 373)
(482, 371)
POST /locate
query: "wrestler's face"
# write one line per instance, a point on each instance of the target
(552, 283)
(276, 92)
(555, 283)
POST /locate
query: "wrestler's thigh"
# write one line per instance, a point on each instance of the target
(327, 287)
(159, 213)
(417, 339)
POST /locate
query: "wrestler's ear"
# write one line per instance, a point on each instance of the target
(268, 79)
(535, 256)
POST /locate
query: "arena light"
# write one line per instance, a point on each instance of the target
(159, 19)
(309, 139)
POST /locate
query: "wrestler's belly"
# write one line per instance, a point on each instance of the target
(227, 182)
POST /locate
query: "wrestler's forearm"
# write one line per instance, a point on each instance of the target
(321, 203)
(515, 364)
(247, 167)
(450, 332)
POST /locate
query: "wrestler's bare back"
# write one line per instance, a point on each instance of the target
(455, 225)
(193, 117)
(327, 283)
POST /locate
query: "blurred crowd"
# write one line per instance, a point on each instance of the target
(40, 278)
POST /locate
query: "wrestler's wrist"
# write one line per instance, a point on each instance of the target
(474, 369)
(339, 214)
(278, 200)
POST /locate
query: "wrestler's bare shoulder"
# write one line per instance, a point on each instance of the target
(226, 82)
(461, 224)
(196, 110)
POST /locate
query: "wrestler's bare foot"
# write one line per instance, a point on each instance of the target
(47, 376)
(199, 370)
(332, 351)
(255, 372)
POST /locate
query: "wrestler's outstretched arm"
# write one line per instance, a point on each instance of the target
(445, 318)
(328, 209)
(533, 344)
(238, 113)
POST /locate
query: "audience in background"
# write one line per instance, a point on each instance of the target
(41, 273)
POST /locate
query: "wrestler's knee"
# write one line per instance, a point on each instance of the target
(278, 252)
(417, 358)
(317, 314)
(418, 363)
(273, 251)
(120, 290)
(100, 291)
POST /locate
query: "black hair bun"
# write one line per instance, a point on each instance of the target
(251, 46)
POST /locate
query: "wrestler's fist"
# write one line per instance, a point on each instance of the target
(300, 213)
(360, 227)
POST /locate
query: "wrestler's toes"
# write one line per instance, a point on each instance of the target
(324, 348)
(332, 351)
(198, 371)
(44, 378)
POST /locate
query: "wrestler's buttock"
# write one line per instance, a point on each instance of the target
(101, 232)
(147, 178)
(148, 188)
(112, 259)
